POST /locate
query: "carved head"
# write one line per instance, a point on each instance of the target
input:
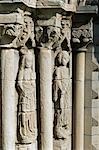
(62, 58)
(53, 32)
(23, 50)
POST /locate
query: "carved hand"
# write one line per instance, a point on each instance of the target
(20, 87)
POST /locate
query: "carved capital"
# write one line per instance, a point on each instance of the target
(16, 33)
(82, 35)
(53, 32)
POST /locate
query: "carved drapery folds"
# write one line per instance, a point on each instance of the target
(19, 35)
(45, 33)
(27, 105)
(61, 95)
(26, 130)
(55, 34)
(52, 35)
(62, 88)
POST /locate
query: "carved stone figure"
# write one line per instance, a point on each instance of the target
(26, 83)
(47, 37)
(26, 91)
(61, 90)
(18, 34)
(26, 32)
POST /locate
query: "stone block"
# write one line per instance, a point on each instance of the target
(87, 142)
(95, 114)
(95, 131)
(11, 18)
(95, 141)
(88, 93)
(88, 121)
(95, 76)
(95, 103)
(95, 86)
(62, 144)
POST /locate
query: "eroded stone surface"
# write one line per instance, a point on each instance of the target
(35, 43)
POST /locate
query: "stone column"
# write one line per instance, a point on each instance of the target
(53, 36)
(46, 99)
(79, 99)
(8, 100)
(8, 34)
(16, 30)
(82, 37)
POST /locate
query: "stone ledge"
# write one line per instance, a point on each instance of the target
(87, 9)
(26, 2)
(11, 18)
(65, 7)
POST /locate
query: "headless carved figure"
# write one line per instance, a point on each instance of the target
(26, 91)
(61, 84)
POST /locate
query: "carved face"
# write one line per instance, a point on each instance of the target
(62, 58)
(65, 60)
(53, 33)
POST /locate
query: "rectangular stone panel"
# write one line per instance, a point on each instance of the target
(88, 142)
(11, 18)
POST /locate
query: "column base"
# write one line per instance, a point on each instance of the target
(32, 146)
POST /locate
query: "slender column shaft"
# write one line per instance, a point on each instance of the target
(46, 99)
(8, 100)
(79, 100)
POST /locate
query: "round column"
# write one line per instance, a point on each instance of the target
(79, 99)
(8, 100)
(46, 99)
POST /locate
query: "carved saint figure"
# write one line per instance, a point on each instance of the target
(61, 87)
(26, 91)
